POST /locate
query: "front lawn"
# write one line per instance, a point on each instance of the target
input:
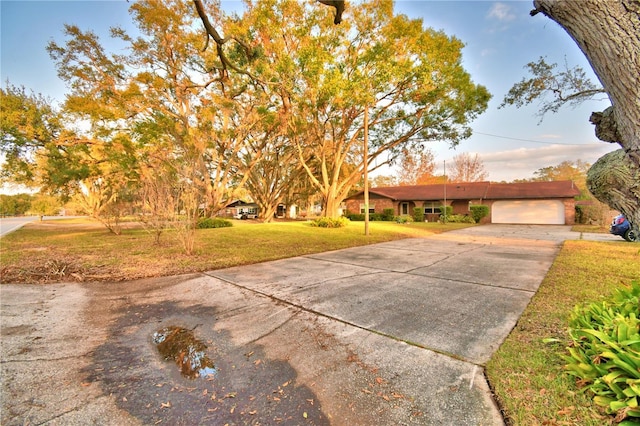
(594, 229)
(81, 250)
(526, 373)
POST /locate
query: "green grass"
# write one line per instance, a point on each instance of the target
(527, 374)
(595, 229)
(83, 250)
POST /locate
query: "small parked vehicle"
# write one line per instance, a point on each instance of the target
(242, 215)
(621, 226)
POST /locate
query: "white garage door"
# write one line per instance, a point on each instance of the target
(536, 212)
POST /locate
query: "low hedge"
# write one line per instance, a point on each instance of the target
(359, 217)
(213, 222)
(330, 222)
(458, 218)
(404, 219)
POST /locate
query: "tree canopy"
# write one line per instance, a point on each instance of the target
(324, 77)
(280, 96)
(552, 87)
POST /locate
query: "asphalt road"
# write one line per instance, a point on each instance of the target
(10, 224)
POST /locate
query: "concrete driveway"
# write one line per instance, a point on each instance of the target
(392, 333)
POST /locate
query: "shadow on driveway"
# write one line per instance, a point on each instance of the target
(391, 333)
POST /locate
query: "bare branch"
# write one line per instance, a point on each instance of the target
(220, 41)
(339, 5)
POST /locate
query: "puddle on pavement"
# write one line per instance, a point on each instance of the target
(180, 345)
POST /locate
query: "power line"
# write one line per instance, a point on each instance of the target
(526, 140)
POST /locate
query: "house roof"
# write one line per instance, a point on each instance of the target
(556, 189)
(240, 203)
(476, 190)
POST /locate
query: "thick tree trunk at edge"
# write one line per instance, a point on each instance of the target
(608, 33)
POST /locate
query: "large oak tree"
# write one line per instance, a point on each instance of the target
(324, 77)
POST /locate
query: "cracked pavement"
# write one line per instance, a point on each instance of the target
(392, 333)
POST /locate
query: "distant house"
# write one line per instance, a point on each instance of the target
(521, 203)
(242, 210)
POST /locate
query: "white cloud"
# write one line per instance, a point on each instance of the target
(521, 163)
(501, 12)
(487, 52)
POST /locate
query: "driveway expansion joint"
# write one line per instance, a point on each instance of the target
(479, 283)
(348, 323)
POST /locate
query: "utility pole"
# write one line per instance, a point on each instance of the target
(366, 169)
(445, 192)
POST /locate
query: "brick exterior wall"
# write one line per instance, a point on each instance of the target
(459, 207)
(569, 212)
(379, 203)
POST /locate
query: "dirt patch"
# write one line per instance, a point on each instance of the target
(39, 271)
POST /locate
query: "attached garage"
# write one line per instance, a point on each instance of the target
(534, 212)
(535, 203)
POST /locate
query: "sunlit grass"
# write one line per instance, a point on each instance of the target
(595, 229)
(526, 373)
(95, 254)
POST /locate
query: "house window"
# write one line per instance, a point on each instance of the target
(404, 208)
(372, 208)
(432, 208)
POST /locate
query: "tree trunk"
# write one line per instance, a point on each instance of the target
(267, 212)
(620, 179)
(331, 204)
(608, 33)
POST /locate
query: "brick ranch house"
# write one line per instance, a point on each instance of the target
(551, 203)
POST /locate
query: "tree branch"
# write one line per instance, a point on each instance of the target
(220, 41)
(339, 6)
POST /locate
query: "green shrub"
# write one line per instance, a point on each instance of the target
(478, 211)
(580, 215)
(605, 355)
(213, 222)
(459, 218)
(418, 214)
(448, 210)
(388, 215)
(359, 217)
(404, 219)
(330, 222)
(356, 217)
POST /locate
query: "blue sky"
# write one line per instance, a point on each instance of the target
(500, 38)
